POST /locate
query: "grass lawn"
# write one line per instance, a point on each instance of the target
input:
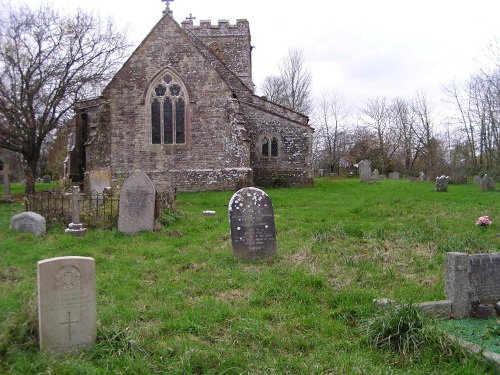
(176, 301)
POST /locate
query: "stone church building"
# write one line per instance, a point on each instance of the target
(183, 109)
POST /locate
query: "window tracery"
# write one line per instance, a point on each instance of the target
(168, 112)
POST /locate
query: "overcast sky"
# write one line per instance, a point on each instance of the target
(360, 48)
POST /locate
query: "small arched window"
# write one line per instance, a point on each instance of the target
(274, 146)
(265, 147)
(168, 112)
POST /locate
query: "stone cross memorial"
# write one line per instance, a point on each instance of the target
(251, 220)
(137, 204)
(67, 318)
(75, 228)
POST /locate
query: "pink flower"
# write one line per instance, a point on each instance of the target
(483, 221)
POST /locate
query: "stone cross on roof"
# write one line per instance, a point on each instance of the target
(190, 18)
(168, 5)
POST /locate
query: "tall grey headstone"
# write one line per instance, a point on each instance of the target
(251, 220)
(487, 183)
(476, 180)
(395, 175)
(28, 222)
(365, 170)
(442, 183)
(137, 204)
(67, 318)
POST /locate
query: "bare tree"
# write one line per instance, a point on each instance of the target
(403, 121)
(376, 114)
(292, 88)
(273, 89)
(48, 61)
(332, 119)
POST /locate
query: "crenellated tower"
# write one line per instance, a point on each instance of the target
(230, 43)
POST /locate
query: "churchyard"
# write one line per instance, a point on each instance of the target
(177, 301)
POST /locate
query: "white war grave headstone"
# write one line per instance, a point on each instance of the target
(251, 220)
(365, 171)
(137, 204)
(67, 318)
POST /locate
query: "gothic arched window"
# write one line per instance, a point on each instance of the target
(168, 112)
(265, 147)
(274, 146)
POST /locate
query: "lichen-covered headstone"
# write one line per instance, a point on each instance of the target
(442, 183)
(28, 222)
(251, 220)
(365, 171)
(375, 175)
(487, 183)
(67, 318)
(137, 204)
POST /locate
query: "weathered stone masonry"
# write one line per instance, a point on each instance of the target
(224, 121)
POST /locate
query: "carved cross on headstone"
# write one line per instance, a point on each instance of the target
(6, 181)
(69, 323)
(167, 10)
(190, 18)
(75, 227)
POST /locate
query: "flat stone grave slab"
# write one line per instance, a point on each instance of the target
(67, 316)
(251, 219)
(137, 204)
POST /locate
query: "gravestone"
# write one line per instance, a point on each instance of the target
(99, 180)
(75, 228)
(442, 183)
(67, 318)
(422, 176)
(375, 175)
(476, 180)
(321, 172)
(487, 183)
(46, 179)
(395, 175)
(28, 222)
(5, 172)
(251, 220)
(137, 204)
(365, 171)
